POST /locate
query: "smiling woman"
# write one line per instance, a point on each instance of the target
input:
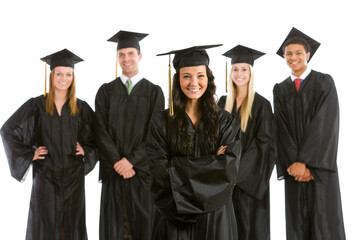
(193, 155)
(60, 147)
(193, 82)
(63, 77)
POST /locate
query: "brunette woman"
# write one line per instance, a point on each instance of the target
(193, 153)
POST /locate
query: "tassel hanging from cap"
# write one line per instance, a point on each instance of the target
(45, 80)
(171, 105)
(116, 69)
(226, 82)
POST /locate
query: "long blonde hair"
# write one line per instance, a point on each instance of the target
(246, 105)
(70, 96)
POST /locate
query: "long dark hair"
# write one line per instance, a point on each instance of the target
(180, 141)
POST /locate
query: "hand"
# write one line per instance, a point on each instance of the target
(122, 166)
(221, 150)
(307, 177)
(79, 149)
(129, 174)
(39, 152)
(297, 170)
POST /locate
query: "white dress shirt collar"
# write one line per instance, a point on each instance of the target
(135, 79)
(303, 76)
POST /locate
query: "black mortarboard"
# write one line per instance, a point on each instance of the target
(314, 45)
(62, 58)
(241, 54)
(193, 56)
(127, 39)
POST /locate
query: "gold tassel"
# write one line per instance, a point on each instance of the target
(116, 69)
(171, 106)
(45, 81)
(226, 82)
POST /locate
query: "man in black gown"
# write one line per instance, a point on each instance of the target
(123, 108)
(307, 118)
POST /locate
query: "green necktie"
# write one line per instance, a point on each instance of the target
(129, 86)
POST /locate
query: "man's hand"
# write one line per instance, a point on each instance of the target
(306, 177)
(297, 170)
(124, 168)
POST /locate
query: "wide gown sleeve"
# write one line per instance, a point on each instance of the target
(18, 134)
(157, 151)
(318, 148)
(183, 185)
(107, 148)
(138, 156)
(258, 157)
(287, 146)
(204, 184)
(87, 138)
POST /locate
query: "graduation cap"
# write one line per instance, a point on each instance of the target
(63, 58)
(127, 39)
(241, 54)
(187, 57)
(295, 33)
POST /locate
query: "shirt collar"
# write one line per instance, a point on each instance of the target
(135, 79)
(303, 76)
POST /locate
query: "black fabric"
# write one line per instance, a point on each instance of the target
(58, 194)
(127, 39)
(193, 193)
(251, 193)
(308, 130)
(242, 54)
(193, 56)
(121, 126)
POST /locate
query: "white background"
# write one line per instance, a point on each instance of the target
(30, 30)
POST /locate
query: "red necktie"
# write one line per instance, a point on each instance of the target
(297, 83)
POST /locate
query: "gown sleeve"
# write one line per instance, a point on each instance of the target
(107, 148)
(87, 137)
(318, 148)
(287, 146)
(139, 154)
(157, 151)
(258, 157)
(204, 184)
(18, 134)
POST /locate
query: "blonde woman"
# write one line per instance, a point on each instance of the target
(54, 134)
(251, 192)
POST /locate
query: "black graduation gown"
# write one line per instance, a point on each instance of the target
(58, 192)
(251, 194)
(308, 129)
(121, 126)
(193, 193)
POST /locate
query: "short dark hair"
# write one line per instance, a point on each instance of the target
(297, 40)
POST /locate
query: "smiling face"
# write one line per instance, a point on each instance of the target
(240, 74)
(63, 77)
(193, 81)
(296, 58)
(129, 59)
